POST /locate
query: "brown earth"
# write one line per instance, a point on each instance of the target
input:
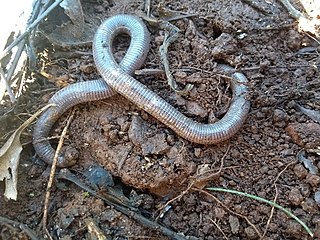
(152, 161)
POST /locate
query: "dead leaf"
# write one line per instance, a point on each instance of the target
(73, 10)
(10, 156)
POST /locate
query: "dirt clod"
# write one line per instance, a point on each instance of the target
(295, 197)
(155, 145)
(234, 224)
(305, 134)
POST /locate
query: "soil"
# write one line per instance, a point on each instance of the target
(149, 160)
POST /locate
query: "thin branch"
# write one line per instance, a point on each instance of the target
(275, 198)
(292, 11)
(52, 173)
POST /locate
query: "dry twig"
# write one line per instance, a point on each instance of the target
(52, 173)
(275, 198)
(229, 210)
(219, 228)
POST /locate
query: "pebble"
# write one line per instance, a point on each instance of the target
(198, 152)
(305, 189)
(300, 171)
(234, 224)
(313, 180)
(279, 118)
(310, 206)
(137, 130)
(251, 233)
(87, 68)
(293, 40)
(219, 213)
(195, 109)
(305, 134)
(98, 176)
(295, 197)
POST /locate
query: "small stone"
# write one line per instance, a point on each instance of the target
(264, 169)
(305, 134)
(123, 123)
(310, 206)
(293, 40)
(98, 176)
(198, 152)
(173, 152)
(300, 171)
(195, 109)
(113, 135)
(234, 224)
(279, 118)
(225, 44)
(180, 76)
(251, 233)
(293, 229)
(137, 131)
(219, 212)
(295, 197)
(313, 180)
(87, 68)
(110, 215)
(305, 189)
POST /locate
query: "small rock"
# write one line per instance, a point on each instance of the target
(295, 197)
(305, 189)
(234, 224)
(137, 130)
(195, 109)
(293, 40)
(225, 44)
(87, 68)
(180, 76)
(198, 152)
(251, 233)
(308, 164)
(293, 229)
(98, 176)
(155, 145)
(279, 118)
(219, 212)
(300, 171)
(313, 180)
(310, 206)
(66, 217)
(305, 134)
(173, 152)
(264, 169)
(123, 123)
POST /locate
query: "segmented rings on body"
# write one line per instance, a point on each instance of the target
(117, 79)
